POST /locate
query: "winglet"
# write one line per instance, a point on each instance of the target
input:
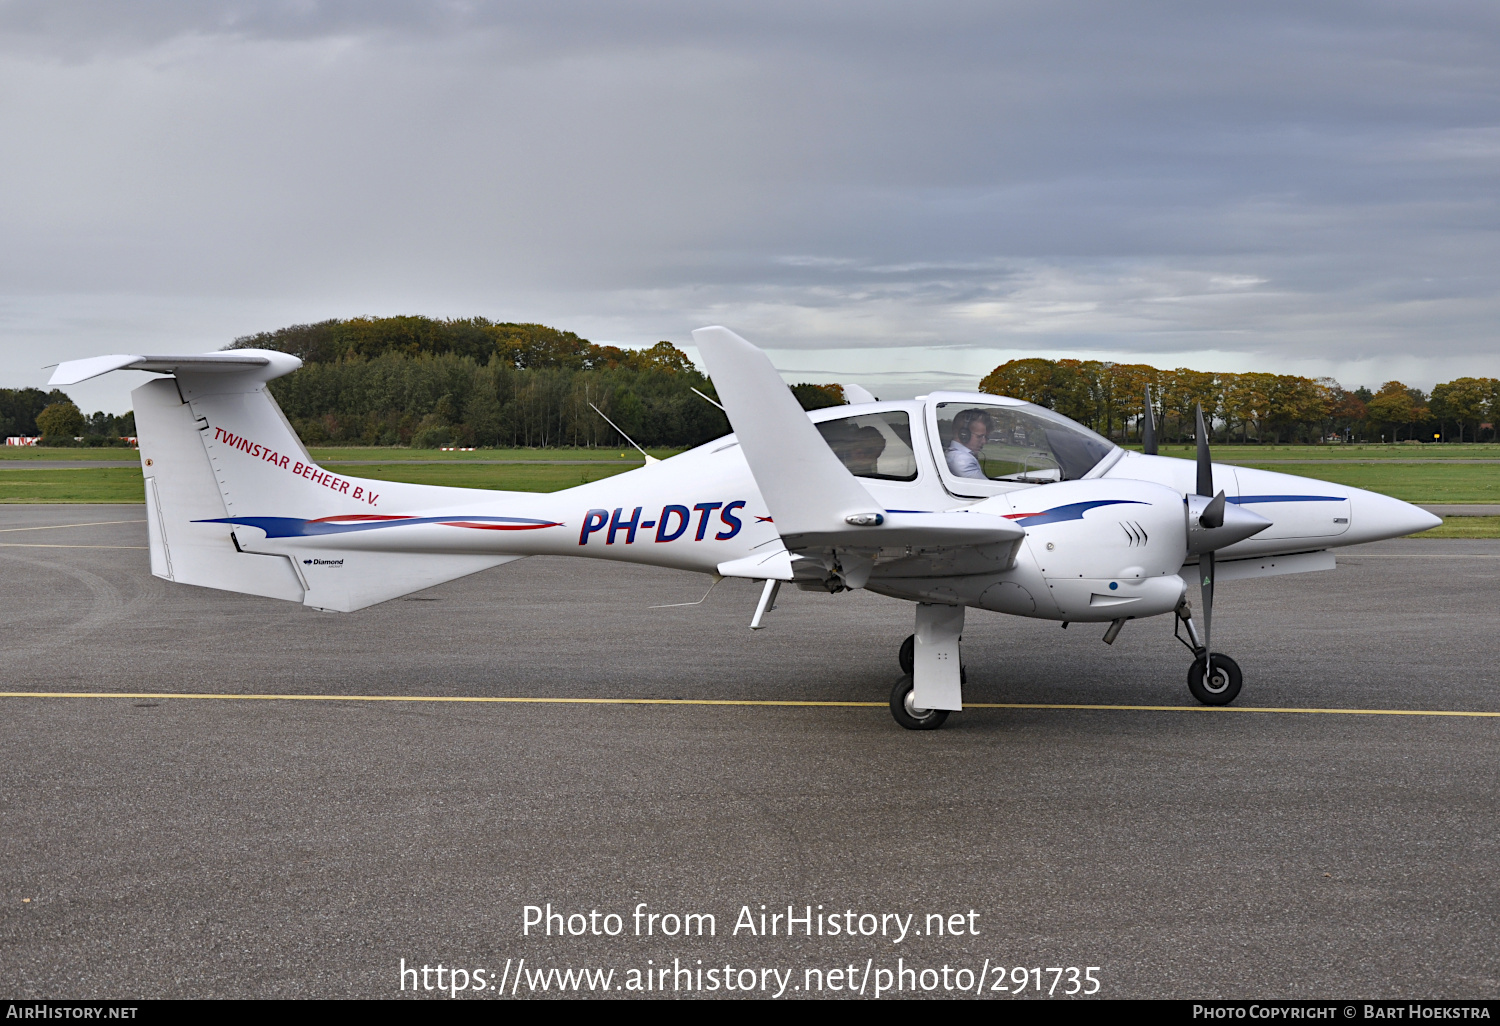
(806, 487)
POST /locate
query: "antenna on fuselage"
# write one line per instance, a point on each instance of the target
(706, 398)
(1148, 430)
(650, 459)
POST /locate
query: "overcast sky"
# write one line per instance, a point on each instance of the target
(901, 195)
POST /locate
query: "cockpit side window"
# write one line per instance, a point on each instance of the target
(1027, 445)
(875, 445)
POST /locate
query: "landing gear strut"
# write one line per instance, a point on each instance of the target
(1221, 684)
(932, 681)
(906, 657)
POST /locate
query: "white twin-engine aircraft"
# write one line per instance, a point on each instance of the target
(954, 500)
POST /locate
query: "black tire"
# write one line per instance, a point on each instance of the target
(909, 717)
(1223, 685)
(907, 657)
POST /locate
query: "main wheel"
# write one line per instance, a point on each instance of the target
(907, 657)
(1223, 683)
(907, 714)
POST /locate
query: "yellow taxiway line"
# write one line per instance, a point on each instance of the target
(485, 699)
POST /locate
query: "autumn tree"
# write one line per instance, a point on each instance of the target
(1392, 406)
(1030, 380)
(819, 397)
(60, 420)
(1463, 401)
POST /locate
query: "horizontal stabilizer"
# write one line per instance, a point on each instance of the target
(343, 581)
(259, 364)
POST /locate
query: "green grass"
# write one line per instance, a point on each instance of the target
(1236, 453)
(1464, 527)
(26, 453)
(1413, 482)
(86, 484)
(511, 478)
(1431, 482)
(334, 454)
(108, 484)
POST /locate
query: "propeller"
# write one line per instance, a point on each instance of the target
(1148, 429)
(1210, 518)
(1212, 524)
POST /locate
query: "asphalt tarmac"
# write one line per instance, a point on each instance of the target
(193, 847)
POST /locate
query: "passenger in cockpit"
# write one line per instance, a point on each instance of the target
(971, 430)
(864, 452)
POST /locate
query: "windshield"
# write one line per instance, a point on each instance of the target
(1027, 444)
(875, 445)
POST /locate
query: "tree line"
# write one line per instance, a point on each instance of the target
(425, 382)
(428, 383)
(30, 412)
(1255, 406)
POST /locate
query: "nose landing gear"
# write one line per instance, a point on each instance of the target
(1221, 684)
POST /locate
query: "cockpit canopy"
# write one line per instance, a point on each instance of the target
(1023, 443)
(875, 445)
(981, 444)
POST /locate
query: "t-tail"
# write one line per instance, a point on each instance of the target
(223, 467)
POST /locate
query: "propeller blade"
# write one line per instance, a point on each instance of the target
(1206, 584)
(1205, 467)
(1213, 514)
(1148, 429)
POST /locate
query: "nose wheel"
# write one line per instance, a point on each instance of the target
(1220, 685)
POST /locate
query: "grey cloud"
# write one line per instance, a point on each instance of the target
(1280, 181)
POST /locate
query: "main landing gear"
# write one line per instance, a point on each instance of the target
(903, 696)
(906, 656)
(1220, 685)
(908, 714)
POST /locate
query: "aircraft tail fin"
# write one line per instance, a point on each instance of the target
(183, 493)
(215, 446)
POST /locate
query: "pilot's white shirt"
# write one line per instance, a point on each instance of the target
(962, 461)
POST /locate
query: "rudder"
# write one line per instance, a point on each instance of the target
(181, 491)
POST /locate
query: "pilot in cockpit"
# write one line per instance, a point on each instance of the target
(971, 430)
(858, 448)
